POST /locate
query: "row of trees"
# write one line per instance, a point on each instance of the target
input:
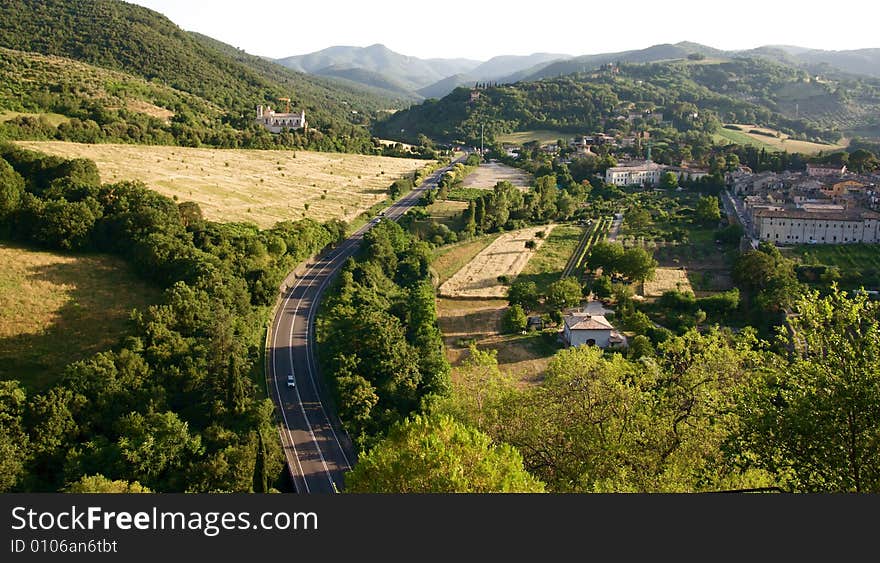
(378, 335)
(175, 407)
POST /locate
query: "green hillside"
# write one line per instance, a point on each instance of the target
(739, 91)
(211, 88)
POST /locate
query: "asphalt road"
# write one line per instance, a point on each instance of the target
(318, 451)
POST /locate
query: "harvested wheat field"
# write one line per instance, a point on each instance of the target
(256, 186)
(507, 255)
(666, 279)
(487, 174)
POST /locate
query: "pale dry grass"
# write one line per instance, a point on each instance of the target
(450, 259)
(257, 186)
(507, 255)
(784, 143)
(57, 308)
(147, 108)
(666, 279)
(488, 174)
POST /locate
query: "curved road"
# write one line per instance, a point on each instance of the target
(317, 450)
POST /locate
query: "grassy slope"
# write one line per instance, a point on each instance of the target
(859, 263)
(782, 143)
(57, 308)
(24, 75)
(132, 39)
(262, 187)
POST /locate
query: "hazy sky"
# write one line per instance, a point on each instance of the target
(481, 29)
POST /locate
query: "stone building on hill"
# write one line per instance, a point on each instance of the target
(278, 122)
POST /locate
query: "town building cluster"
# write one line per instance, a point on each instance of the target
(822, 205)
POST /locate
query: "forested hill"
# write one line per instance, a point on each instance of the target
(138, 41)
(742, 90)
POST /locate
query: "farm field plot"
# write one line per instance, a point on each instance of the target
(667, 279)
(546, 266)
(452, 258)
(540, 135)
(257, 186)
(490, 173)
(478, 321)
(770, 141)
(507, 255)
(57, 308)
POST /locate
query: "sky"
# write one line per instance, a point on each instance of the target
(481, 29)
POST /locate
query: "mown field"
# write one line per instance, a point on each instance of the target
(487, 174)
(257, 186)
(540, 135)
(507, 255)
(451, 258)
(56, 309)
(547, 264)
(770, 141)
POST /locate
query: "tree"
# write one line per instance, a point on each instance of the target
(158, 448)
(100, 484)
(436, 454)
(669, 181)
(564, 293)
(637, 264)
(815, 422)
(523, 293)
(605, 255)
(767, 276)
(638, 219)
(707, 210)
(514, 319)
(11, 189)
(601, 286)
(13, 439)
(863, 162)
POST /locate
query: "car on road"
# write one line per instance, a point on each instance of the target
(291, 381)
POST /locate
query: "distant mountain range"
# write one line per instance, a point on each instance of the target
(377, 66)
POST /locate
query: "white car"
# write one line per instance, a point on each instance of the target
(291, 382)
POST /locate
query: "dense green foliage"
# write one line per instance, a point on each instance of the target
(690, 97)
(378, 335)
(176, 407)
(700, 412)
(439, 455)
(136, 55)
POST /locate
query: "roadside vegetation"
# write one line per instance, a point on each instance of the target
(177, 405)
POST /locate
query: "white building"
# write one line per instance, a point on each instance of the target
(644, 173)
(584, 329)
(816, 224)
(277, 122)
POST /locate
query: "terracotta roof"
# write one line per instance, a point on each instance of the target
(585, 321)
